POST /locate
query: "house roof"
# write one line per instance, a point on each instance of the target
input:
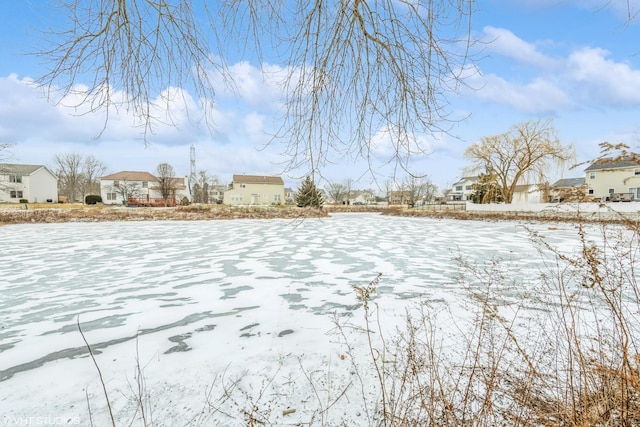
(612, 164)
(131, 176)
(257, 179)
(6, 168)
(178, 183)
(466, 179)
(520, 188)
(569, 182)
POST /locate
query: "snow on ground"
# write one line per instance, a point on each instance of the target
(220, 315)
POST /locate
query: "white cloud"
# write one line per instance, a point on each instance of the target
(537, 96)
(598, 80)
(503, 42)
(583, 78)
(258, 88)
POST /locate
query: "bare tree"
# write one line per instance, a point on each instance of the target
(348, 188)
(92, 170)
(418, 189)
(201, 188)
(127, 189)
(4, 156)
(166, 182)
(355, 68)
(523, 155)
(141, 48)
(335, 191)
(69, 173)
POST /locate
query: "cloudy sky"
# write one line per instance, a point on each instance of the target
(576, 62)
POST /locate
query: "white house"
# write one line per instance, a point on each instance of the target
(140, 188)
(529, 193)
(463, 189)
(33, 183)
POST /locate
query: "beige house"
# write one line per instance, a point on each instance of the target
(609, 180)
(33, 183)
(255, 190)
(140, 188)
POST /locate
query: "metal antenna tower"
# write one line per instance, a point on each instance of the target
(192, 176)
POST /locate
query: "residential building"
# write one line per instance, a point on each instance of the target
(33, 183)
(140, 188)
(401, 197)
(289, 196)
(216, 193)
(463, 189)
(567, 190)
(613, 180)
(363, 197)
(530, 193)
(255, 190)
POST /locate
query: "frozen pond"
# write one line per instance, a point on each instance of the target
(193, 302)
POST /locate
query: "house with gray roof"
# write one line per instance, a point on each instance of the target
(567, 190)
(33, 183)
(613, 179)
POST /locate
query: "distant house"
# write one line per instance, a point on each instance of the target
(609, 179)
(567, 189)
(216, 193)
(140, 188)
(255, 190)
(34, 183)
(363, 197)
(530, 193)
(289, 196)
(401, 197)
(463, 189)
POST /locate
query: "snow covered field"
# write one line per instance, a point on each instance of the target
(219, 314)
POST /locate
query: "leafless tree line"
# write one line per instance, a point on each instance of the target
(78, 175)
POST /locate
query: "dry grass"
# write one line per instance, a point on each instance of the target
(99, 213)
(574, 360)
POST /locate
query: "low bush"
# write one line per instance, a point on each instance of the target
(92, 199)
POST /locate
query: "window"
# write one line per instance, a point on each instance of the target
(243, 186)
(468, 187)
(16, 194)
(634, 193)
(236, 197)
(145, 184)
(591, 191)
(458, 187)
(15, 178)
(592, 175)
(636, 171)
(112, 196)
(116, 183)
(277, 198)
(612, 191)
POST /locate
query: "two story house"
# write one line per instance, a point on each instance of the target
(463, 189)
(255, 190)
(140, 188)
(33, 183)
(613, 180)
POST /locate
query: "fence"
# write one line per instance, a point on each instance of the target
(450, 206)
